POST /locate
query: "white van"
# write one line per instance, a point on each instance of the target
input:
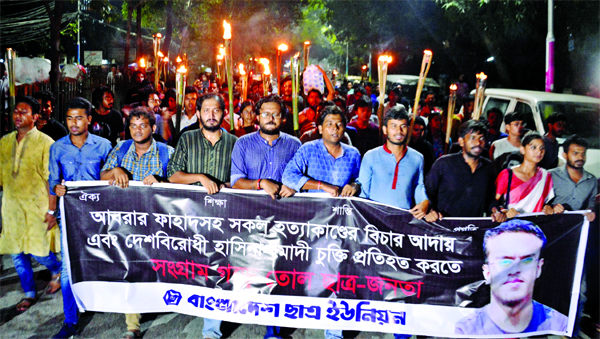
(583, 116)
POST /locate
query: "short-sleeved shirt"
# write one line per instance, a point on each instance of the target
(253, 158)
(313, 161)
(394, 183)
(196, 155)
(139, 167)
(544, 318)
(577, 196)
(54, 129)
(457, 192)
(113, 119)
(71, 163)
(367, 138)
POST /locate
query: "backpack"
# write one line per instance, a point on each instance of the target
(163, 154)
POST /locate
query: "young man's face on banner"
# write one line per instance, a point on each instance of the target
(513, 265)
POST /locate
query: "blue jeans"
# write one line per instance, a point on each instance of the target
(211, 329)
(69, 304)
(22, 264)
(337, 334)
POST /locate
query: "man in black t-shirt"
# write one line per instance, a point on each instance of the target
(46, 124)
(106, 122)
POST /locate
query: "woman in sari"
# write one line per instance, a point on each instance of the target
(530, 185)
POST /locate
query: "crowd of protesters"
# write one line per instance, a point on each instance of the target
(340, 147)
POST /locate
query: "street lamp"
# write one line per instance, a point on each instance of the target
(306, 50)
(282, 48)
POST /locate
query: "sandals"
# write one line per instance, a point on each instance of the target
(132, 334)
(54, 284)
(25, 304)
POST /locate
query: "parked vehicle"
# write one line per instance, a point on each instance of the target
(583, 115)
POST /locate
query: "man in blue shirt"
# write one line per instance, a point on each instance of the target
(259, 159)
(393, 173)
(75, 157)
(141, 159)
(325, 165)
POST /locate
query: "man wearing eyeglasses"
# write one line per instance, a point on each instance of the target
(259, 158)
(512, 265)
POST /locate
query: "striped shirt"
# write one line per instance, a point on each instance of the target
(196, 155)
(147, 164)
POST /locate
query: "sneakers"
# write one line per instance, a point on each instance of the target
(67, 331)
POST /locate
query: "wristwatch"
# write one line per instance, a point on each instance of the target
(51, 212)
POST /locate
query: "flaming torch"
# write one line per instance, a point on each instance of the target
(229, 70)
(180, 80)
(295, 71)
(157, 56)
(450, 115)
(266, 74)
(306, 51)
(244, 80)
(382, 69)
(427, 55)
(479, 93)
(282, 48)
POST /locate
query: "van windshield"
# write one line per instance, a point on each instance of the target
(582, 119)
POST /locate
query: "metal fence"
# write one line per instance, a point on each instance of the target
(67, 90)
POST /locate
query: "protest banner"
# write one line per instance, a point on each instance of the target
(310, 261)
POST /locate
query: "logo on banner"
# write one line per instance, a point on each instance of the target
(89, 196)
(172, 297)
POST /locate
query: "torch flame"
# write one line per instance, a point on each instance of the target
(385, 58)
(283, 47)
(453, 87)
(307, 42)
(182, 69)
(428, 52)
(158, 35)
(142, 63)
(364, 67)
(220, 57)
(222, 51)
(297, 55)
(160, 54)
(166, 59)
(264, 61)
(178, 59)
(227, 34)
(267, 70)
(481, 76)
(242, 71)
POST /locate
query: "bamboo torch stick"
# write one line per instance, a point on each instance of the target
(450, 115)
(294, 70)
(479, 94)
(427, 55)
(229, 69)
(382, 69)
(180, 79)
(244, 81)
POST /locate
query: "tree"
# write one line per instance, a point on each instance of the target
(55, 24)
